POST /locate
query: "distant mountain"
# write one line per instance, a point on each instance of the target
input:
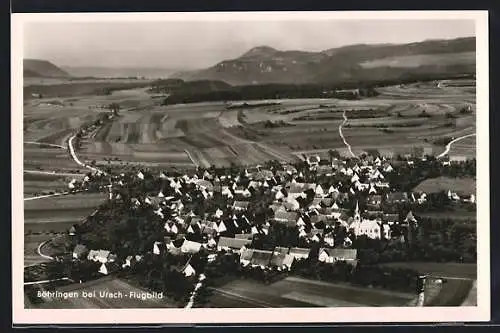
(119, 72)
(264, 64)
(42, 68)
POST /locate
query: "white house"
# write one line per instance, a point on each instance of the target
(103, 269)
(188, 270)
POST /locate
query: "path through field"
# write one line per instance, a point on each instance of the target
(448, 146)
(342, 135)
(44, 144)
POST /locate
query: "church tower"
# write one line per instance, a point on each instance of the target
(357, 216)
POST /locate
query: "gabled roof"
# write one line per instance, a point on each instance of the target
(244, 236)
(263, 174)
(241, 204)
(300, 251)
(284, 216)
(190, 246)
(261, 257)
(390, 217)
(281, 249)
(341, 254)
(397, 196)
(233, 243)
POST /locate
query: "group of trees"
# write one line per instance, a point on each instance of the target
(399, 279)
(266, 91)
(405, 177)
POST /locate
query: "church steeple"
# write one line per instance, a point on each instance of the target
(357, 216)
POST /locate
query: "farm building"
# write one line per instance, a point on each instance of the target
(300, 253)
(102, 256)
(236, 244)
(333, 255)
(240, 205)
(190, 247)
(397, 197)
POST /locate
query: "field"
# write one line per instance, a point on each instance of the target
(454, 270)
(423, 60)
(205, 134)
(106, 284)
(298, 292)
(464, 186)
(57, 214)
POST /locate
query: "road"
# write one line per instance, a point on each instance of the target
(46, 281)
(191, 158)
(77, 160)
(342, 135)
(39, 250)
(44, 144)
(64, 174)
(448, 146)
(46, 196)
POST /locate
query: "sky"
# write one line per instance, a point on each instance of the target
(199, 44)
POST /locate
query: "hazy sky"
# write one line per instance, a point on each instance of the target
(181, 44)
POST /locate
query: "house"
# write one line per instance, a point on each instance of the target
(244, 236)
(291, 204)
(190, 247)
(263, 175)
(324, 170)
(288, 218)
(390, 219)
(253, 185)
(281, 261)
(240, 190)
(279, 194)
(281, 249)
(80, 251)
(374, 200)
(332, 255)
(457, 159)
(387, 167)
(240, 205)
(397, 197)
(313, 161)
(102, 256)
(319, 191)
(237, 244)
(370, 228)
(158, 247)
(104, 269)
(300, 253)
(261, 258)
(226, 191)
(188, 270)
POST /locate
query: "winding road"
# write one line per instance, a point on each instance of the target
(342, 135)
(448, 146)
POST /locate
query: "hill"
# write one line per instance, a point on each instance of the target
(118, 72)
(42, 68)
(264, 64)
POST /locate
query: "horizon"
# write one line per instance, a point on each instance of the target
(199, 44)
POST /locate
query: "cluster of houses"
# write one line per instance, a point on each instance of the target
(314, 209)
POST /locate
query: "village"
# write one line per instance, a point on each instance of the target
(268, 220)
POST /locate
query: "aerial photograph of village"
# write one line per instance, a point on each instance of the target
(249, 164)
